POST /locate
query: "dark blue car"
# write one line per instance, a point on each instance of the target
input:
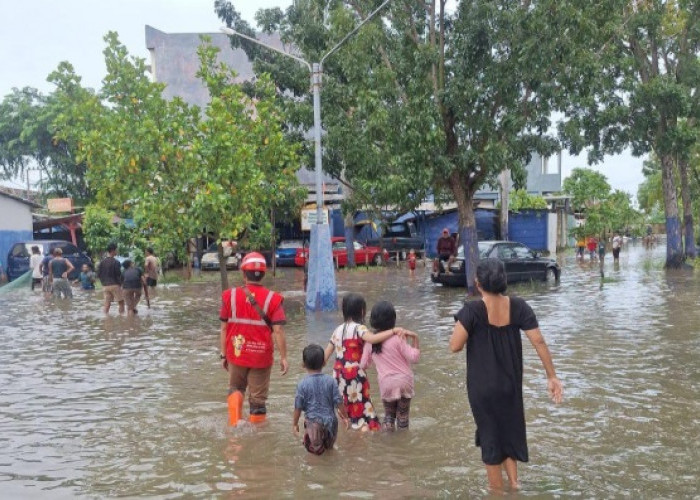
(286, 251)
(18, 256)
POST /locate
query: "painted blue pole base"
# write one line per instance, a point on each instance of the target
(321, 293)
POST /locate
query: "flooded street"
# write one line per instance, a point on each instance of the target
(106, 407)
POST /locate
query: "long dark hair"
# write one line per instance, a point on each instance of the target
(354, 307)
(382, 317)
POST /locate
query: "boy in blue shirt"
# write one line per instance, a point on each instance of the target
(87, 278)
(319, 398)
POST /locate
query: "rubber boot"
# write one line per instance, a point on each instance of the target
(235, 407)
(257, 418)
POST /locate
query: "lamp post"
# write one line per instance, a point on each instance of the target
(321, 292)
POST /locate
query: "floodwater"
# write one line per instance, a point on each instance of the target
(125, 407)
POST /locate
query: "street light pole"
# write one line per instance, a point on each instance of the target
(321, 292)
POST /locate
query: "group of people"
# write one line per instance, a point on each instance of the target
(51, 273)
(124, 287)
(596, 248)
(252, 319)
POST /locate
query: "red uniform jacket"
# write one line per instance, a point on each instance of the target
(248, 338)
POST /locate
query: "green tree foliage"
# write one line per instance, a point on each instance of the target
(100, 229)
(420, 101)
(520, 199)
(179, 171)
(28, 141)
(636, 86)
(586, 188)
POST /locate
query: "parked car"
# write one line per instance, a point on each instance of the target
(363, 254)
(522, 264)
(399, 237)
(287, 251)
(210, 258)
(18, 256)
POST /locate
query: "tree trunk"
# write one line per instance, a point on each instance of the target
(674, 244)
(349, 223)
(223, 273)
(688, 229)
(504, 180)
(467, 230)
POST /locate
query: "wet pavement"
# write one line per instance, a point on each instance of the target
(104, 407)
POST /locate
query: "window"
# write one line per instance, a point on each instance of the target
(551, 164)
(522, 252)
(20, 250)
(505, 252)
(69, 249)
(339, 245)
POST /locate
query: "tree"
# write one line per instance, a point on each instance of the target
(420, 101)
(638, 88)
(179, 171)
(520, 199)
(586, 188)
(28, 141)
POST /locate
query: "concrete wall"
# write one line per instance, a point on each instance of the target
(15, 224)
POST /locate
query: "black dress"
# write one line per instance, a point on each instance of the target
(495, 379)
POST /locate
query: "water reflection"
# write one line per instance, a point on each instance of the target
(122, 406)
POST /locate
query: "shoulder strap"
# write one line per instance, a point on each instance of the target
(257, 307)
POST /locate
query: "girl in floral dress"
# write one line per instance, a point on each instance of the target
(347, 343)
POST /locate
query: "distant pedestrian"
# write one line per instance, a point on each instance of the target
(580, 247)
(616, 245)
(152, 267)
(35, 266)
(45, 281)
(110, 274)
(59, 269)
(412, 262)
(319, 398)
(87, 278)
(592, 245)
(133, 281)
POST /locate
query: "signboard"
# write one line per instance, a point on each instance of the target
(308, 217)
(60, 204)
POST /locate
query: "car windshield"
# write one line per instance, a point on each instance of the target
(213, 247)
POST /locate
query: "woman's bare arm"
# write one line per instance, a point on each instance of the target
(459, 337)
(554, 386)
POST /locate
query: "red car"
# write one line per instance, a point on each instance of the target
(363, 254)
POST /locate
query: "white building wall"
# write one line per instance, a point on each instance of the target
(552, 227)
(14, 215)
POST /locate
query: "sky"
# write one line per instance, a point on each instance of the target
(36, 35)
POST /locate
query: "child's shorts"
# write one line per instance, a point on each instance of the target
(318, 438)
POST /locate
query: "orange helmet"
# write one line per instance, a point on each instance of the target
(254, 261)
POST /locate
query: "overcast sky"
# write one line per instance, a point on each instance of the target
(35, 35)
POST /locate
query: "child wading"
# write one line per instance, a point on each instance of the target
(319, 398)
(393, 359)
(347, 342)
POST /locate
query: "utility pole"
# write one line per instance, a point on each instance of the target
(321, 293)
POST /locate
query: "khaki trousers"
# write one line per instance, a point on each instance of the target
(257, 380)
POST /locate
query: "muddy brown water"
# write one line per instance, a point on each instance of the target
(111, 407)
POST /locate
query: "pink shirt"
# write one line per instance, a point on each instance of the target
(394, 372)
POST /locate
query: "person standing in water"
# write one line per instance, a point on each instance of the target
(490, 330)
(252, 324)
(35, 266)
(110, 274)
(59, 269)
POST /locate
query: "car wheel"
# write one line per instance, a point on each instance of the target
(551, 275)
(378, 260)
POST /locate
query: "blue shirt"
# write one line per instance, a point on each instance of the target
(318, 396)
(87, 280)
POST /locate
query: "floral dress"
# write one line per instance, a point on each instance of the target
(352, 380)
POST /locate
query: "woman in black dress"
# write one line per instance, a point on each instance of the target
(490, 328)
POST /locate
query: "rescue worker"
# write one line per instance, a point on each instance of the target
(252, 320)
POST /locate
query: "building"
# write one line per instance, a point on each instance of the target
(543, 178)
(15, 222)
(174, 62)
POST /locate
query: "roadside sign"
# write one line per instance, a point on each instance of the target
(308, 217)
(60, 204)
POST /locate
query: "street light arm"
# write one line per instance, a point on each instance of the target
(229, 31)
(345, 38)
